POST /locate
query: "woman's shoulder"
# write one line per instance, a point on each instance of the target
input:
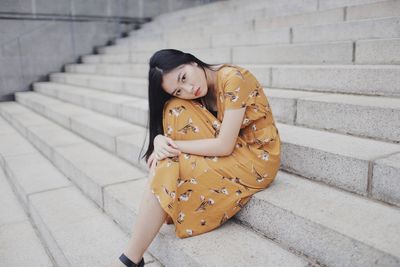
(230, 70)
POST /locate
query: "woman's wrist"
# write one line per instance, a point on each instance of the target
(157, 136)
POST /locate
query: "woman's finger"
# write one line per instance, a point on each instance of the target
(173, 151)
(171, 142)
(167, 154)
(161, 155)
(150, 161)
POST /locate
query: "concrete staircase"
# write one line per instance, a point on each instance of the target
(330, 69)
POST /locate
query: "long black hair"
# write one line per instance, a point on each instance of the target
(162, 62)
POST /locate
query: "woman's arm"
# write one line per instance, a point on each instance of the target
(224, 144)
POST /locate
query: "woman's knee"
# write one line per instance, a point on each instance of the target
(183, 120)
(179, 117)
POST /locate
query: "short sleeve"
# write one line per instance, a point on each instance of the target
(236, 90)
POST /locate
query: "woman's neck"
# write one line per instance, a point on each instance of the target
(211, 80)
(211, 97)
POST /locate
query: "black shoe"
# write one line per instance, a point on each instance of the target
(125, 260)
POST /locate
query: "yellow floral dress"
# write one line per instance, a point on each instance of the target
(200, 193)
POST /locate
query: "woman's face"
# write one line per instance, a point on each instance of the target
(186, 81)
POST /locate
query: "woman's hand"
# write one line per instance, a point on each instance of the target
(165, 147)
(150, 160)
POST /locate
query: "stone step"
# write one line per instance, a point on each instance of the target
(212, 249)
(195, 40)
(347, 160)
(27, 249)
(342, 161)
(247, 10)
(381, 51)
(125, 45)
(352, 30)
(200, 9)
(316, 208)
(192, 40)
(158, 33)
(385, 177)
(369, 51)
(226, 26)
(272, 21)
(128, 108)
(364, 116)
(332, 15)
(84, 163)
(327, 4)
(373, 80)
(325, 53)
(337, 228)
(66, 220)
(117, 136)
(319, 17)
(218, 54)
(244, 11)
(244, 52)
(110, 69)
(126, 85)
(379, 9)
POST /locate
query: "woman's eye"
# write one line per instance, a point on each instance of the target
(183, 77)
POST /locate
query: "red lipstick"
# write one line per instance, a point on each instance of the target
(197, 92)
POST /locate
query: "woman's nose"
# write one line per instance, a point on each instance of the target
(190, 89)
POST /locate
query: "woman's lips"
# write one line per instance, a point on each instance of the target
(197, 92)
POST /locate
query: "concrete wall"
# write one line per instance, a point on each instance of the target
(38, 37)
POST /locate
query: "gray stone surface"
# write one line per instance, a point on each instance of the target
(329, 53)
(383, 51)
(62, 230)
(32, 173)
(309, 18)
(335, 200)
(73, 222)
(335, 159)
(20, 243)
(26, 55)
(358, 79)
(367, 116)
(385, 180)
(351, 30)
(65, 221)
(284, 103)
(373, 10)
(327, 4)
(186, 252)
(251, 38)
(334, 226)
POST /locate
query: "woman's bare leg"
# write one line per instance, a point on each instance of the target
(148, 223)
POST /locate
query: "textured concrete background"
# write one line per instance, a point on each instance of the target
(31, 47)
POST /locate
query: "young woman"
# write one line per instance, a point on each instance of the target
(213, 144)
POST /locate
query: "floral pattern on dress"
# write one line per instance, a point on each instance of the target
(200, 193)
